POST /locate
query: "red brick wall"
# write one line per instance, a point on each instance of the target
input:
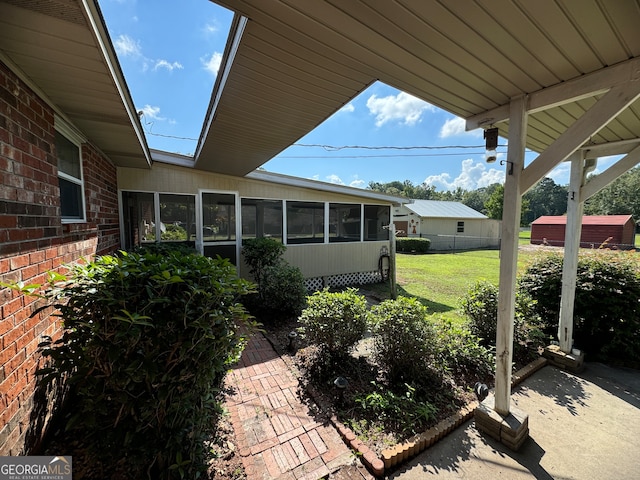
(33, 240)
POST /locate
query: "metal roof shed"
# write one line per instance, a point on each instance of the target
(616, 231)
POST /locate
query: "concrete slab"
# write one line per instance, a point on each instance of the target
(582, 426)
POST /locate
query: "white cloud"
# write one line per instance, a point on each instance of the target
(347, 108)
(333, 178)
(152, 113)
(127, 47)
(211, 28)
(472, 176)
(212, 64)
(456, 126)
(358, 182)
(167, 65)
(402, 107)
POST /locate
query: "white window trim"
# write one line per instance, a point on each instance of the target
(71, 134)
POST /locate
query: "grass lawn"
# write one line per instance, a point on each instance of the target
(439, 280)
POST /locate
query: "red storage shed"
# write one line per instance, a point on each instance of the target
(613, 230)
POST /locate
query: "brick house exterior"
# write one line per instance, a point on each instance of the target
(34, 240)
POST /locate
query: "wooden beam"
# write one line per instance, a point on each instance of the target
(562, 93)
(571, 247)
(603, 179)
(600, 150)
(600, 114)
(509, 254)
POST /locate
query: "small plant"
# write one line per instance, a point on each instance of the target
(335, 321)
(404, 410)
(404, 341)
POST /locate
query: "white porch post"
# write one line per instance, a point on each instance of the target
(509, 253)
(575, 205)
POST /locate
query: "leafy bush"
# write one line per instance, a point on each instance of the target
(404, 341)
(606, 309)
(174, 232)
(480, 305)
(260, 253)
(412, 245)
(147, 341)
(461, 353)
(283, 289)
(165, 248)
(335, 321)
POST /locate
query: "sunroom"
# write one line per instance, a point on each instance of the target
(333, 233)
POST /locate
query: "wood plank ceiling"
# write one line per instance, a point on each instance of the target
(300, 61)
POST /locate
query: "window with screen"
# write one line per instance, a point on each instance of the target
(177, 217)
(305, 222)
(376, 218)
(218, 217)
(344, 222)
(261, 218)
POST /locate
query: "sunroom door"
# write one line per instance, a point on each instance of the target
(219, 225)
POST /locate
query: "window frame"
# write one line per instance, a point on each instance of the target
(258, 233)
(68, 133)
(460, 227)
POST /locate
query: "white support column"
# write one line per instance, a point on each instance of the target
(571, 247)
(509, 253)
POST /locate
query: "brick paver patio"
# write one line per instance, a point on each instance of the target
(277, 435)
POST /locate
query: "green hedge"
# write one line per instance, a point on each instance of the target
(606, 311)
(148, 338)
(412, 245)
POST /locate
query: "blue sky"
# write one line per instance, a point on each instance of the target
(170, 52)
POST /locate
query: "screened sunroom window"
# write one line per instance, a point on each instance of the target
(218, 217)
(69, 178)
(177, 217)
(261, 218)
(376, 217)
(344, 222)
(305, 222)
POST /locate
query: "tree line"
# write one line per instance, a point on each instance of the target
(621, 197)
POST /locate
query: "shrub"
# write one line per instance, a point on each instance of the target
(404, 341)
(606, 308)
(480, 305)
(461, 353)
(147, 340)
(260, 253)
(335, 321)
(412, 245)
(282, 289)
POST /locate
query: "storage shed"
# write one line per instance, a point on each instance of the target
(616, 231)
(449, 225)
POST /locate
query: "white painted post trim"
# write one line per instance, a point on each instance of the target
(571, 248)
(509, 253)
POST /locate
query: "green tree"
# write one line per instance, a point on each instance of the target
(545, 198)
(620, 197)
(495, 203)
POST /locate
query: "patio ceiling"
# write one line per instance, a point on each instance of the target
(294, 63)
(63, 51)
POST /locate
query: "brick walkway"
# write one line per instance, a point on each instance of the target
(278, 436)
